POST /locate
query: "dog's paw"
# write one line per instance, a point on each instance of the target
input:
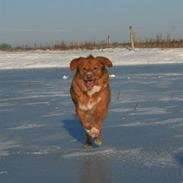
(88, 146)
(93, 132)
(88, 131)
(98, 141)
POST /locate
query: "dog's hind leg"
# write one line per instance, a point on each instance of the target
(98, 139)
(88, 143)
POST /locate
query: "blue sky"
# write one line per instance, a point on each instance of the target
(48, 21)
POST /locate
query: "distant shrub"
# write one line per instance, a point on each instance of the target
(158, 42)
(5, 46)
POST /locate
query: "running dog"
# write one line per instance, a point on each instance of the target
(91, 94)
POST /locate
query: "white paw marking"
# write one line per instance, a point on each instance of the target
(93, 132)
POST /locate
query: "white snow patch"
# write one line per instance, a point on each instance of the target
(6, 145)
(40, 151)
(27, 126)
(3, 172)
(64, 77)
(112, 75)
(89, 153)
(119, 56)
(138, 155)
(174, 122)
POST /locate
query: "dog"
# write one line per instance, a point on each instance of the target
(91, 94)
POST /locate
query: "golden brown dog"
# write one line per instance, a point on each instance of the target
(91, 94)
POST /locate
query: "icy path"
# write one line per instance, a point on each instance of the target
(41, 139)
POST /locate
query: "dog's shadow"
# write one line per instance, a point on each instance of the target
(74, 128)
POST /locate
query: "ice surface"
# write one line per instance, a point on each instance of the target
(41, 139)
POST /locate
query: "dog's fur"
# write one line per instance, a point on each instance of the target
(91, 94)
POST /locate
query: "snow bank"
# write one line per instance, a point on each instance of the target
(49, 59)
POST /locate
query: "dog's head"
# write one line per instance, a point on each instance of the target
(90, 68)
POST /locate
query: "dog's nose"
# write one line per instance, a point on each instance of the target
(89, 75)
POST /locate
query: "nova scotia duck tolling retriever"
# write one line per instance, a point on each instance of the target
(91, 94)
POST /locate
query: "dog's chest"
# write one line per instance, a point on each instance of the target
(94, 90)
(90, 104)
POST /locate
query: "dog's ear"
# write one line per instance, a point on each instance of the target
(75, 63)
(104, 61)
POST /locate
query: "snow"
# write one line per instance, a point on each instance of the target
(119, 56)
(64, 77)
(112, 75)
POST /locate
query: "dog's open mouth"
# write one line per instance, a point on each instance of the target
(90, 84)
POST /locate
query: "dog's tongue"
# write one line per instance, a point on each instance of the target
(90, 84)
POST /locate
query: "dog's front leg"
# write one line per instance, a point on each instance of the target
(83, 118)
(100, 116)
(96, 130)
(97, 126)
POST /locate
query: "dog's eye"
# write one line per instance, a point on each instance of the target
(95, 68)
(84, 68)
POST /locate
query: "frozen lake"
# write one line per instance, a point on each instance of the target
(41, 139)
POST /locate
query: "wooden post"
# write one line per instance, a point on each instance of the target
(108, 41)
(132, 38)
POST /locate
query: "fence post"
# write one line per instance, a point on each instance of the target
(109, 41)
(132, 37)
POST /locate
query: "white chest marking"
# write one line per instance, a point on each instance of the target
(90, 105)
(94, 90)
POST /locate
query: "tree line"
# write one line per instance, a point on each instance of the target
(158, 42)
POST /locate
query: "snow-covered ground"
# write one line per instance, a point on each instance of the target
(41, 139)
(48, 59)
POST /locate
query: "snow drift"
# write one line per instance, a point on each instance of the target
(119, 56)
